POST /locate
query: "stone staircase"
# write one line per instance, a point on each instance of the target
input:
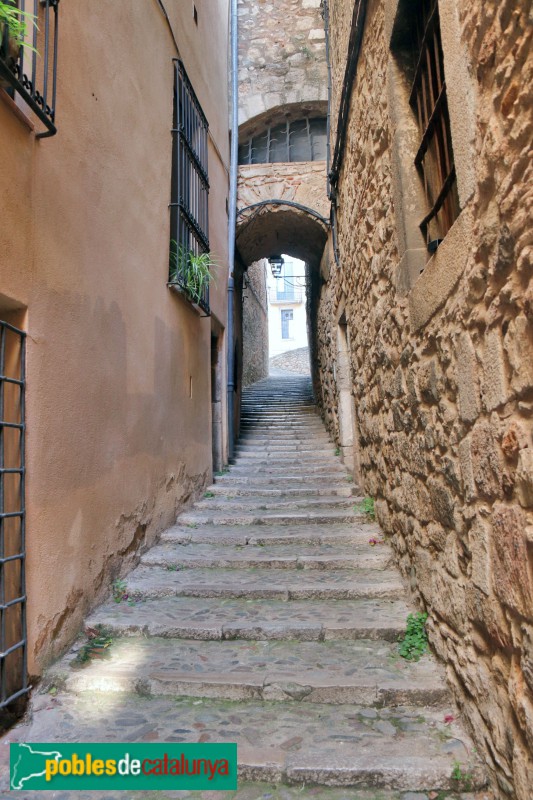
(265, 616)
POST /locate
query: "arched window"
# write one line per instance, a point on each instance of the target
(301, 140)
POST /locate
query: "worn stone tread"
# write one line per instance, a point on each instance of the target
(363, 671)
(206, 618)
(357, 534)
(260, 583)
(277, 503)
(404, 748)
(246, 488)
(254, 791)
(288, 556)
(269, 517)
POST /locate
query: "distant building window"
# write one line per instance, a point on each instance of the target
(434, 158)
(189, 219)
(286, 319)
(300, 140)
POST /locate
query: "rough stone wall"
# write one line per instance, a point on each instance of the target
(255, 324)
(302, 182)
(444, 388)
(280, 63)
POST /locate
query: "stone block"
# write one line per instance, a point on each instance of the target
(518, 344)
(467, 379)
(479, 543)
(510, 560)
(467, 469)
(430, 382)
(526, 658)
(524, 478)
(487, 462)
(442, 502)
(494, 385)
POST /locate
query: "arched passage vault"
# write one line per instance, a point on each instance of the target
(270, 227)
(281, 226)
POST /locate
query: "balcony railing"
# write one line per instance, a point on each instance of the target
(28, 71)
(290, 294)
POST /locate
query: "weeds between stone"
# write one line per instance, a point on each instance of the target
(366, 507)
(414, 642)
(98, 641)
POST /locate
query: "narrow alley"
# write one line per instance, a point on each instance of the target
(268, 615)
(266, 397)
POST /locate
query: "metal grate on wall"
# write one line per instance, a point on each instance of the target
(13, 646)
(301, 140)
(189, 210)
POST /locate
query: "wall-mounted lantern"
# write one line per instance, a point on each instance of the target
(276, 265)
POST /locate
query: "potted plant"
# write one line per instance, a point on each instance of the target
(193, 272)
(13, 27)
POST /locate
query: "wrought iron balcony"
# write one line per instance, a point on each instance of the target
(290, 294)
(28, 62)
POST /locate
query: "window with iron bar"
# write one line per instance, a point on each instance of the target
(434, 158)
(189, 214)
(28, 60)
(299, 140)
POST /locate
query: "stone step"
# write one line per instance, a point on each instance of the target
(206, 618)
(301, 459)
(289, 556)
(285, 437)
(339, 534)
(236, 517)
(284, 472)
(335, 480)
(407, 749)
(364, 672)
(276, 503)
(280, 584)
(246, 488)
(285, 447)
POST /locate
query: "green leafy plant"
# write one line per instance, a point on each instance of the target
(221, 472)
(98, 640)
(366, 507)
(120, 591)
(209, 494)
(414, 642)
(193, 272)
(463, 779)
(337, 451)
(17, 22)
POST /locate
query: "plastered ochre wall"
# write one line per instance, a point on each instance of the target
(116, 444)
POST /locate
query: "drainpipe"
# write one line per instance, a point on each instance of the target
(232, 214)
(330, 190)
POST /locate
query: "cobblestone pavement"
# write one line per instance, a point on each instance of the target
(294, 361)
(268, 615)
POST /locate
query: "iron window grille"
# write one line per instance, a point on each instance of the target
(428, 99)
(13, 643)
(29, 73)
(189, 212)
(301, 140)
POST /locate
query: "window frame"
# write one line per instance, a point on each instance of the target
(434, 158)
(189, 204)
